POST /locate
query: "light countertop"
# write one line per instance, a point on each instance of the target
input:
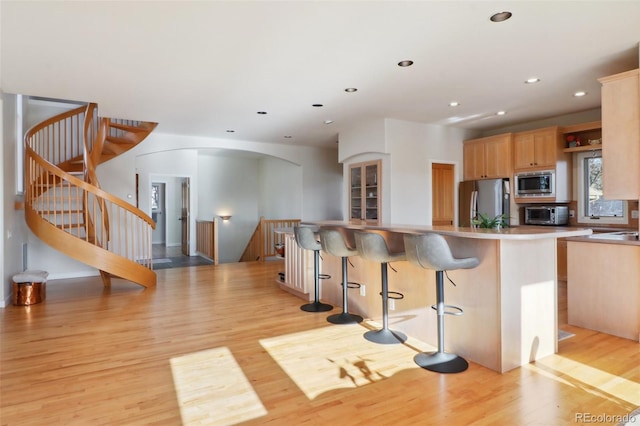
(608, 238)
(509, 233)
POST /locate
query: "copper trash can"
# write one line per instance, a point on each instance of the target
(29, 287)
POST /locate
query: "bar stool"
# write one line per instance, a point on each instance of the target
(333, 243)
(306, 239)
(431, 251)
(372, 247)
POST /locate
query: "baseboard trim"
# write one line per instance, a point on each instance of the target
(79, 274)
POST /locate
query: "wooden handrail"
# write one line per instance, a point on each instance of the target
(262, 243)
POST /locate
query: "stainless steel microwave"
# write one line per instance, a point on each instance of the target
(546, 215)
(535, 184)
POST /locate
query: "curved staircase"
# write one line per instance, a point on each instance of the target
(64, 205)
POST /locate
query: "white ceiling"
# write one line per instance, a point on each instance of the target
(205, 67)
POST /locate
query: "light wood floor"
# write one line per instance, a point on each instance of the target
(223, 345)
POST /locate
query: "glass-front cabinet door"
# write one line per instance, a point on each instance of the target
(356, 192)
(365, 191)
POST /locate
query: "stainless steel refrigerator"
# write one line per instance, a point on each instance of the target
(489, 197)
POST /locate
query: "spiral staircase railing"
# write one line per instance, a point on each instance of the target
(64, 204)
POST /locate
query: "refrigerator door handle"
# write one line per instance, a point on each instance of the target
(472, 207)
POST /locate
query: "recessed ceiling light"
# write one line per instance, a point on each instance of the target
(262, 112)
(328, 121)
(405, 63)
(580, 94)
(350, 89)
(317, 105)
(500, 16)
(454, 104)
(230, 131)
(501, 112)
(532, 80)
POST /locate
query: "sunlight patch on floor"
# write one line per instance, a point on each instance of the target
(212, 389)
(338, 357)
(596, 381)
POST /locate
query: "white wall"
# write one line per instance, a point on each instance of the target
(413, 148)
(365, 136)
(229, 186)
(407, 153)
(280, 189)
(14, 233)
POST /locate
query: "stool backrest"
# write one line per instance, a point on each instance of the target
(372, 246)
(332, 242)
(306, 238)
(431, 251)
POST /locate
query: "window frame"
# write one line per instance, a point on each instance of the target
(581, 195)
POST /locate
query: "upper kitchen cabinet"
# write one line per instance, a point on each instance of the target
(621, 136)
(537, 149)
(487, 158)
(365, 191)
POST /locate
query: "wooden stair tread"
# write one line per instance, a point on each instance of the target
(143, 127)
(61, 211)
(121, 140)
(116, 148)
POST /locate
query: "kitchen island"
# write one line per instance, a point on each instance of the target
(509, 300)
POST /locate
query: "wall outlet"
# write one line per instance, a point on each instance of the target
(392, 304)
(634, 214)
(363, 290)
(572, 213)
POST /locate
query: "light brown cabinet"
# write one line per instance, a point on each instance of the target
(536, 149)
(602, 288)
(621, 136)
(544, 149)
(365, 191)
(562, 259)
(487, 158)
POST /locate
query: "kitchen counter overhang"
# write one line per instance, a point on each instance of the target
(509, 300)
(525, 232)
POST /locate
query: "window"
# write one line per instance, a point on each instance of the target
(592, 206)
(155, 197)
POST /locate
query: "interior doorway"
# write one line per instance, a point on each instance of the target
(170, 209)
(443, 194)
(185, 217)
(158, 212)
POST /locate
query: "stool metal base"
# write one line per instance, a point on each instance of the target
(385, 336)
(441, 362)
(344, 318)
(316, 307)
